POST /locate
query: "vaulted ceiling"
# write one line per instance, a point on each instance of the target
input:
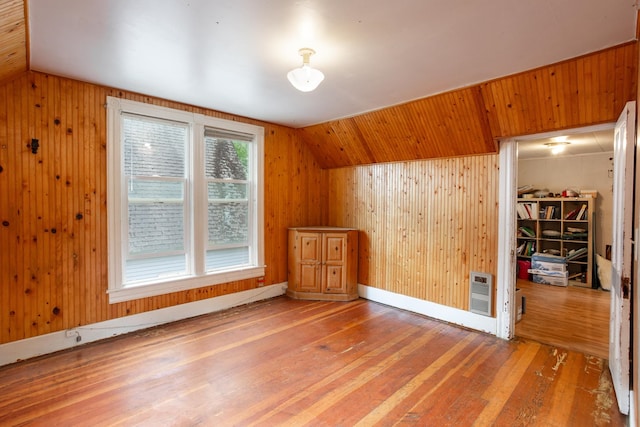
(404, 81)
(584, 91)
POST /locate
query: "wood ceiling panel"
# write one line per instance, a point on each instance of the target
(13, 49)
(341, 133)
(445, 125)
(582, 91)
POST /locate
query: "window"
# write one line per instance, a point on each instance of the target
(184, 200)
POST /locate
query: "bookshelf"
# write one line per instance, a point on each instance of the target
(558, 226)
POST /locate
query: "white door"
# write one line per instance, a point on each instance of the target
(621, 254)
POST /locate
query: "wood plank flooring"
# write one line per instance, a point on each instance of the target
(571, 317)
(288, 362)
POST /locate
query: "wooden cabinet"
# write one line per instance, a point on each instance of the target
(323, 263)
(559, 226)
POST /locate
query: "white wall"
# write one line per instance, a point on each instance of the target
(586, 172)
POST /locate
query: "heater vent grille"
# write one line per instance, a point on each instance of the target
(481, 286)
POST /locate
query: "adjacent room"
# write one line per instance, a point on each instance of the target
(569, 305)
(308, 213)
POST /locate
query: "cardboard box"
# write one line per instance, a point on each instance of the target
(546, 262)
(548, 272)
(549, 279)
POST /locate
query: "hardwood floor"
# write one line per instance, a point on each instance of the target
(288, 362)
(570, 317)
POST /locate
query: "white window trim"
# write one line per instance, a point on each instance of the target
(118, 293)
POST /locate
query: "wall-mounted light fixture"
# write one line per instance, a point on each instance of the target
(305, 78)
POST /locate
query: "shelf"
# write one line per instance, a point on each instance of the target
(548, 219)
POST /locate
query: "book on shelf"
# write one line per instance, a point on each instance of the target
(572, 214)
(525, 231)
(549, 212)
(526, 249)
(576, 254)
(527, 210)
(575, 233)
(583, 213)
(532, 208)
(530, 248)
(575, 236)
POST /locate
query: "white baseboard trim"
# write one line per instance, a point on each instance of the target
(430, 309)
(62, 340)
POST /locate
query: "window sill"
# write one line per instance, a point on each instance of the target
(145, 291)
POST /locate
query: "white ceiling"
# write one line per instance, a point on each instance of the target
(233, 55)
(579, 142)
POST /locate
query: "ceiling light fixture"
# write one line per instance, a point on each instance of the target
(305, 78)
(557, 147)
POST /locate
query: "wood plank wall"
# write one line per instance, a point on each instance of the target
(424, 224)
(423, 227)
(13, 33)
(53, 241)
(583, 91)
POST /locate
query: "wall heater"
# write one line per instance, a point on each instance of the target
(481, 286)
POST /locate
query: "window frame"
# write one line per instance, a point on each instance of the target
(196, 203)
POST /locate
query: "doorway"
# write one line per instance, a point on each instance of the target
(571, 317)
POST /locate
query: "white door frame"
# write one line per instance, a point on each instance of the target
(506, 286)
(505, 295)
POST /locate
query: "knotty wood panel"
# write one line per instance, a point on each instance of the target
(296, 363)
(13, 33)
(53, 262)
(424, 225)
(583, 91)
(445, 125)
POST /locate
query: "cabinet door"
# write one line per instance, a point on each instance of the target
(309, 258)
(334, 270)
